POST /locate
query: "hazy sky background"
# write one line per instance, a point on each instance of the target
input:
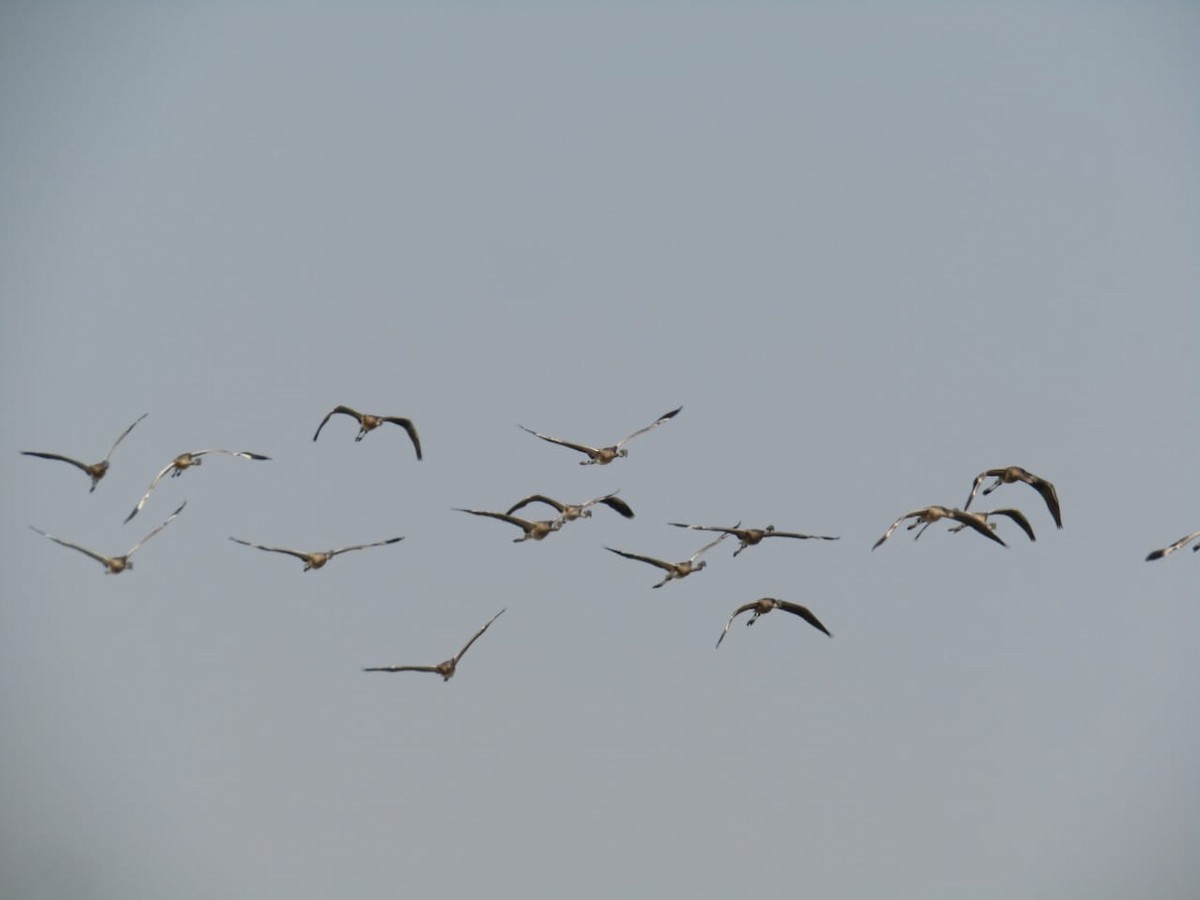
(872, 250)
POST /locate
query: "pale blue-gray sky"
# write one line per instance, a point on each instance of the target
(872, 250)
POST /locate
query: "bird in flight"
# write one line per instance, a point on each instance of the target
(674, 570)
(748, 537)
(368, 422)
(318, 559)
(1011, 475)
(183, 461)
(445, 669)
(569, 512)
(115, 565)
(1015, 514)
(534, 530)
(764, 605)
(602, 456)
(930, 514)
(1179, 544)
(94, 471)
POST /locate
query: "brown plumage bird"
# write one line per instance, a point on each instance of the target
(602, 456)
(1015, 514)
(569, 512)
(182, 462)
(1179, 544)
(368, 422)
(445, 669)
(748, 537)
(315, 560)
(94, 471)
(930, 514)
(534, 530)
(1011, 475)
(115, 565)
(764, 605)
(674, 570)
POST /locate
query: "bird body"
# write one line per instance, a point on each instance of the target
(674, 570)
(182, 462)
(749, 537)
(94, 471)
(534, 530)
(1015, 514)
(930, 514)
(1012, 475)
(115, 565)
(369, 422)
(1182, 542)
(569, 512)
(602, 456)
(447, 668)
(315, 559)
(764, 605)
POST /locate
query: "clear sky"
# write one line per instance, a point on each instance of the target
(872, 249)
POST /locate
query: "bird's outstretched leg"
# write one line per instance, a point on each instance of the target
(922, 531)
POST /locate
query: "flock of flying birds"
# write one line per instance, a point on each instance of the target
(981, 522)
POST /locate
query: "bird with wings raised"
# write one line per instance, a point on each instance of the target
(94, 471)
(602, 456)
(447, 668)
(115, 565)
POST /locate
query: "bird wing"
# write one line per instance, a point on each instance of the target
(345, 410)
(745, 607)
(887, 534)
(1017, 516)
(615, 503)
(803, 612)
(670, 567)
(92, 553)
(476, 635)
(299, 554)
(403, 669)
(123, 435)
(156, 529)
(408, 426)
(706, 547)
(977, 522)
(1046, 489)
(57, 456)
(333, 553)
(535, 498)
(1168, 550)
(795, 534)
(582, 448)
(153, 484)
(244, 454)
(503, 517)
(664, 417)
(733, 530)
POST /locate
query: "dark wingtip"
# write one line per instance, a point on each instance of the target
(1157, 554)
